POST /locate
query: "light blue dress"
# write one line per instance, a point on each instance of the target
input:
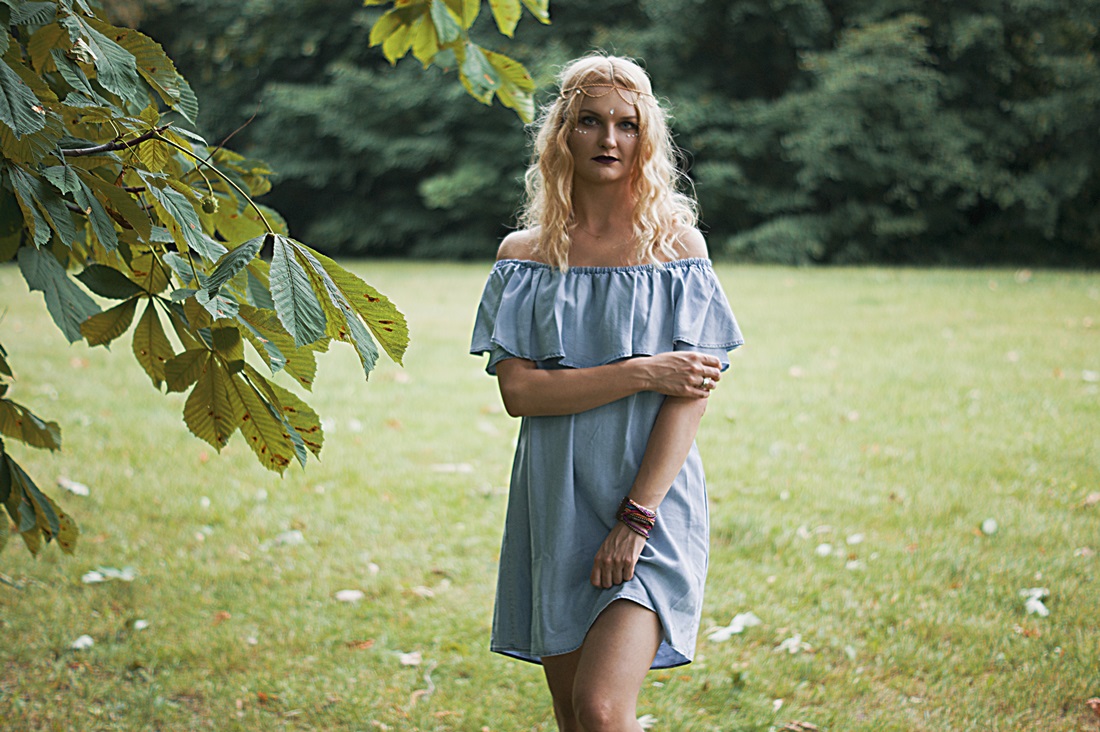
(571, 472)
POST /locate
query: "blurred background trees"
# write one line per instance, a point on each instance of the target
(820, 131)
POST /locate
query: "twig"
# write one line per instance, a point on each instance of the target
(224, 177)
(115, 144)
(16, 585)
(247, 122)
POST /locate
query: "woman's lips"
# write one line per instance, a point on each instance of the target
(607, 159)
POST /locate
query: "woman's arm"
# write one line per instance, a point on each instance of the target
(529, 391)
(667, 449)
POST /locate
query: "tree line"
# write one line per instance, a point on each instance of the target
(815, 131)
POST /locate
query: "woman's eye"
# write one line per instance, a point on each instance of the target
(587, 120)
(629, 126)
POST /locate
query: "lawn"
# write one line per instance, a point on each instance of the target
(873, 422)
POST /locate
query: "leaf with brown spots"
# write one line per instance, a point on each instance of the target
(152, 349)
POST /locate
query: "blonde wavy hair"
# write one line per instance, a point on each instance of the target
(660, 209)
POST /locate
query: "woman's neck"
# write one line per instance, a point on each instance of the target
(603, 227)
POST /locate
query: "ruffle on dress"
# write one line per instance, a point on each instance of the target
(534, 311)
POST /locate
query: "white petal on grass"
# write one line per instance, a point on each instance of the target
(349, 595)
(855, 539)
(989, 527)
(793, 645)
(777, 704)
(102, 574)
(355, 425)
(422, 591)
(854, 565)
(77, 489)
(82, 643)
(411, 659)
(736, 626)
(1090, 376)
(1033, 601)
(204, 502)
(286, 538)
(141, 624)
(824, 550)
(647, 721)
(1084, 552)
(453, 468)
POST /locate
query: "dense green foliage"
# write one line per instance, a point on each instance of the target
(855, 130)
(99, 172)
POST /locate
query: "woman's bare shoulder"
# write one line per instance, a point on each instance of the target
(690, 243)
(519, 245)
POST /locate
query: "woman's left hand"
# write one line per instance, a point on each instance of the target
(615, 560)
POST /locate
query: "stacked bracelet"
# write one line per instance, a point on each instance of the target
(637, 517)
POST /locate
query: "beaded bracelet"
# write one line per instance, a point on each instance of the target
(637, 517)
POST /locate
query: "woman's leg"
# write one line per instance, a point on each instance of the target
(595, 689)
(616, 655)
(560, 672)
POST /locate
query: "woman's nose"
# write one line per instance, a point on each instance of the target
(607, 135)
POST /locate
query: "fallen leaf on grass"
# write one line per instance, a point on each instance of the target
(1026, 632)
(1084, 552)
(82, 643)
(287, 538)
(799, 727)
(102, 574)
(1091, 500)
(422, 591)
(453, 468)
(1033, 601)
(737, 625)
(1094, 705)
(77, 489)
(360, 645)
(221, 616)
(266, 698)
(350, 595)
(410, 659)
(793, 645)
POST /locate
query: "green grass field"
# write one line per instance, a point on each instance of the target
(884, 413)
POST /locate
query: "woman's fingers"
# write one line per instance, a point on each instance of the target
(615, 560)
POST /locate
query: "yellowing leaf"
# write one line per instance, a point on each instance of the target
(104, 327)
(385, 321)
(506, 13)
(184, 370)
(209, 413)
(296, 412)
(151, 346)
(263, 431)
(19, 423)
(425, 43)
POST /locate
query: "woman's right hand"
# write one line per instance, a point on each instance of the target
(680, 373)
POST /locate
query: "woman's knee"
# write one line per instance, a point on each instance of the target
(599, 712)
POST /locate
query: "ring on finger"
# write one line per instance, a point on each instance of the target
(708, 383)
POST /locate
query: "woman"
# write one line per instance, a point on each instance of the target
(607, 331)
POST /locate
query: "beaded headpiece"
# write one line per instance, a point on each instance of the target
(630, 96)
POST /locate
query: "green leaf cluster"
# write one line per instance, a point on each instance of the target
(37, 519)
(438, 31)
(101, 175)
